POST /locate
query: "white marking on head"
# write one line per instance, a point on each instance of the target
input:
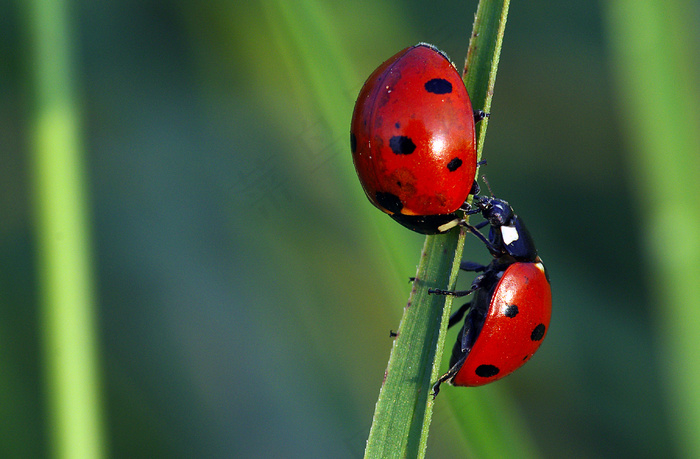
(540, 266)
(509, 234)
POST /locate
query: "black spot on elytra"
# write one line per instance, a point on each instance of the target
(389, 201)
(511, 311)
(538, 332)
(353, 143)
(486, 371)
(454, 164)
(402, 145)
(438, 86)
(397, 125)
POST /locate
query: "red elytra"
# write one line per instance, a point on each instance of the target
(413, 139)
(507, 339)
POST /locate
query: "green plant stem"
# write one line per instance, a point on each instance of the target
(482, 59)
(404, 408)
(63, 242)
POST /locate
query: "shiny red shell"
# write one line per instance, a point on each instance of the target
(507, 339)
(412, 135)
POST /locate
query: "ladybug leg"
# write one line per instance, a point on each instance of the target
(475, 186)
(476, 283)
(472, 324)
(480, 115)
(470, 331)
(447, 377)
(472, 266)
(468, 208)
(474, 191)
(475, 231)
(439, 291)
(456, 316)
(481, 224)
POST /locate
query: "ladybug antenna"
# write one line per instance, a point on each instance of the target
(488, 185)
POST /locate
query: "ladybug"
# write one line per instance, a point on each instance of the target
(413, 140)
(509, 315)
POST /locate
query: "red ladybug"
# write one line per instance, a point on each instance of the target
(509, 316)
(412, 139)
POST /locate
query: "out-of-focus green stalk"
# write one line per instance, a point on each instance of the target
(656, 59)
(65, 271)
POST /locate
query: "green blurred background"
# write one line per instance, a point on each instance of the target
(246, 287)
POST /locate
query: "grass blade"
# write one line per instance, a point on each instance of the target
(404, 408)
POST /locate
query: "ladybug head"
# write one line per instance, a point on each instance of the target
(497, 211)
(508, 234)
